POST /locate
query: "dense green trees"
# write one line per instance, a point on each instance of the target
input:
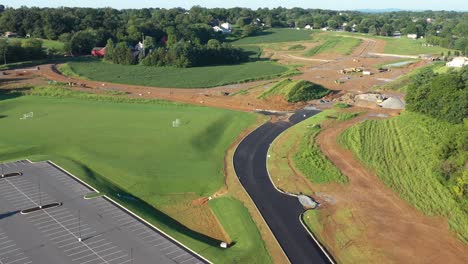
(443, 96)
(185, 54)
(447, 29)
(82, 42)
(15, 50)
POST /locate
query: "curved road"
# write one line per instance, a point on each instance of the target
(280, 211)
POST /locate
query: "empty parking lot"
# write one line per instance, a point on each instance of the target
(79, 231)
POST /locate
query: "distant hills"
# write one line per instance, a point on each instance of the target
(386, 10)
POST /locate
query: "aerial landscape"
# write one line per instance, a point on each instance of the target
(233, 132)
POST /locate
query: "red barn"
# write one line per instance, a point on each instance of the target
(98, 52)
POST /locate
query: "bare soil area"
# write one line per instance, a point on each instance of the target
(394, 230)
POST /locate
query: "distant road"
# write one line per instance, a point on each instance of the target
(280, 211)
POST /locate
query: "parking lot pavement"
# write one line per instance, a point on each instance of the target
(79, 231)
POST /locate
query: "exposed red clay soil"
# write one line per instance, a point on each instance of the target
(397, 231)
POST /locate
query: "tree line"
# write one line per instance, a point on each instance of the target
(16, 50)
(445, 97)
(444, 28)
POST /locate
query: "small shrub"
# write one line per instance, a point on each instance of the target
(297, 47)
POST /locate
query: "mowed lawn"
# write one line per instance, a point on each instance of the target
(46, 43)
(275, 35)
(406, 46)
(196, 77)
(334, 44)
(403, 151)
(133, 149)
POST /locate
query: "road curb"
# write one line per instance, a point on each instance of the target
(322, 248)
(247, 193)
(325, 252)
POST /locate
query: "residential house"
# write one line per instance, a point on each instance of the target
(9, 34)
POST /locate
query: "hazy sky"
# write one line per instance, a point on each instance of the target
(459, 5)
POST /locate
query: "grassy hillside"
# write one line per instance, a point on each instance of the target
(334, 44)
(276, 35)
(308, 157)
(196, 77)
(296, 91)
(132, 147)
(404, 153)
(296, 149)
(402, 82)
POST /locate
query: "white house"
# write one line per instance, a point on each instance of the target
(308, 26)
(226, 25)
(222, 30)
(139, 46)
(458, 62)
(412, 36)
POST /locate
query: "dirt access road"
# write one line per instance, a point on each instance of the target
(323, 68)
(398, 232)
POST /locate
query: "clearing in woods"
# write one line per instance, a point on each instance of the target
(131, 151)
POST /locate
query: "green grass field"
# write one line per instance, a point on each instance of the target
(334, 44)
(122, 145)
(196, 77)
(276, 35)
(401, 46)
(46, 43)
(406, 46)
(242, 230)
(403, 152)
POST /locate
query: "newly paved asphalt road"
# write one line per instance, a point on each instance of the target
(280, 211)
(110, 235)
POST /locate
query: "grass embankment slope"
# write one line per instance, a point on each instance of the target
(296, 150)
(404, 153)
(333, 44)
(401, 84)
(296, 91)
(196, 77)
(131, 147)
(275, 35)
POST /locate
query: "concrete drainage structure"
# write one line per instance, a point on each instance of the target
(307, 202)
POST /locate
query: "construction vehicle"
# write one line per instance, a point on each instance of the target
(350, 70)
